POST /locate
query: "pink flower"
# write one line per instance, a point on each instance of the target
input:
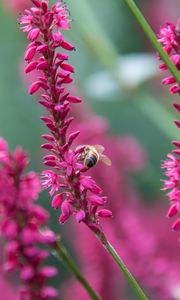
(169, 37)
(44, 26)
(20, 224)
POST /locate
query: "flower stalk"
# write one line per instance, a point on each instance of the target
(61, 253)
(152, 37)
(130, 278)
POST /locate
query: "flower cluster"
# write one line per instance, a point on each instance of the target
(169, 37)
(20, 225)
(76, 193)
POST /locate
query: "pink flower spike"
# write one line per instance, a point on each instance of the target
(44, 27)
(104, 213)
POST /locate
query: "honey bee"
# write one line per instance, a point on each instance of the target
(92, 154)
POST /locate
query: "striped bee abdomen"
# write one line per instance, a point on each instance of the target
(90, 160)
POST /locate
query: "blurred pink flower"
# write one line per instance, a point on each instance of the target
(20, 225)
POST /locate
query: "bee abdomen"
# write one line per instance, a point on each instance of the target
(90, 161)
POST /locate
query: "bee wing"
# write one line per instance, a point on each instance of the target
(99, 148)
(106, 160)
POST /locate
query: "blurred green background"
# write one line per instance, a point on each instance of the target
(116, 72)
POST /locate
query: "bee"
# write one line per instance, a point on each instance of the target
(92, 154)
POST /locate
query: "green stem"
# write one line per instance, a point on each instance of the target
(139, 292)
(152, 37)
(61, 253)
